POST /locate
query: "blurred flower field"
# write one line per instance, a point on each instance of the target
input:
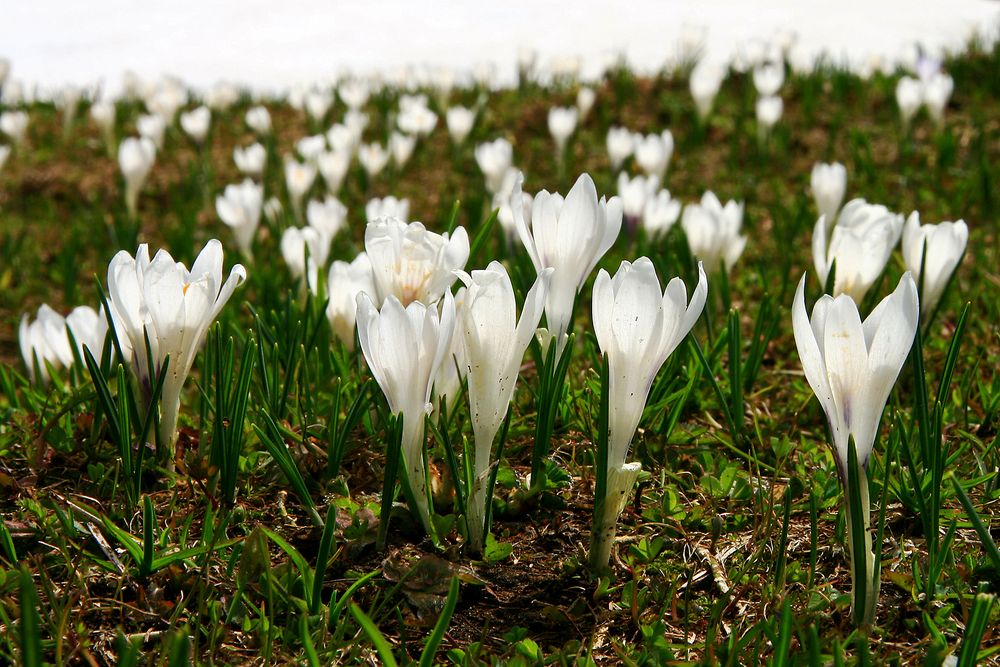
(427, 369)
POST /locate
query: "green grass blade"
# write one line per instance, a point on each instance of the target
(375, 635)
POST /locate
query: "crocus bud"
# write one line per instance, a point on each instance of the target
(769, 110)
(494, 159)
(317, 103)
(44, 343)
(829, 181)
(945, 244)
(460, 121)
(562, 124)
(15, 125)
(136, 158)
(585, 98)
(311, 147)
(909, 97)
(936, 93)
(706, 79)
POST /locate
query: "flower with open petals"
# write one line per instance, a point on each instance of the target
(653, 153)
(373, 158)
(660, 214)
(852, 366)
(251, 160)
(44, 342)
(569, 235)
(768, 78)
(411, 263)
(637, 327)
(859, 246)
(174, 307)
(713, 231)
(258, 119)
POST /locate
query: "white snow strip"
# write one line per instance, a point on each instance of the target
(271, 45)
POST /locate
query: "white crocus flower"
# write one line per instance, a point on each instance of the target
(660, 214)
(401, 146)
(310, 147)
(222, 96)
(103, 113)
(860, 245)
(299, 177)
(387, 207)
(373, 159)
(768, 78)
(937, 91)
(196, 123)
(239, 207)
(135, 158)
(304, 250)
(333, 166)
(653, 153)
(562, 124)
(585, 98)
(152, 126)
(852, 366)
(416, 119)
(317, 104)
(621, 144)
(173, 307)
(251, 160)
(634, 193)
(344, 283)
(4, 154)
(495, 342)
(354, 93)
(15, 125)
(909, 98)
(713, 232)
(569, 236)
(945, 244)
(411, 263)
(460, 121)
(502, 202)
(494, 159)
(769, 110)
(706, 80)
(404, 347)
(829, 182)
(258, 119)
(45, 341)
(637, 327)
(89, 329)
(327, 216)
(343, 139)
